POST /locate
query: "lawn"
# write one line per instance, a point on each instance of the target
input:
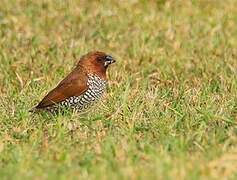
(170, 111)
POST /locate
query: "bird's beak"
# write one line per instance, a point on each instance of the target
(112, 61)
(109, 60)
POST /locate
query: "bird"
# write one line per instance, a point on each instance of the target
(82, 87)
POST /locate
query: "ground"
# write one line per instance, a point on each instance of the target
(170, 111)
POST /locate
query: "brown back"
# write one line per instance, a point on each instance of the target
(73, 85)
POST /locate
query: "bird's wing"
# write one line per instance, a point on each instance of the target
(73, 85)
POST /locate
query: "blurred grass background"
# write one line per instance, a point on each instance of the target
(171, 107)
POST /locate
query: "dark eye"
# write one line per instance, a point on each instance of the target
(100, 58)
(105, 58)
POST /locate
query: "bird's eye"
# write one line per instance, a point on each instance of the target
(100, 58)
(106, 60)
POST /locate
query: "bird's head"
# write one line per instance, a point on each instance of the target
(96, 62)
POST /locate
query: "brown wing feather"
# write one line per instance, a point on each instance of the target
(73, 85)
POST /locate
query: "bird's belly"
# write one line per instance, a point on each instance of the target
(96, 89)
(84, 101)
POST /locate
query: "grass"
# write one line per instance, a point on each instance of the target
(171, 107)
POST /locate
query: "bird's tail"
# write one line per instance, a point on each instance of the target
(34, 110)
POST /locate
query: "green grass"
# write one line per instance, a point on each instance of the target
(171, 107)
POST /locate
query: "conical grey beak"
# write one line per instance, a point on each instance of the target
(109, 60)
(113, 61)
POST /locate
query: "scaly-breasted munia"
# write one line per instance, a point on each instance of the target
(82, 87)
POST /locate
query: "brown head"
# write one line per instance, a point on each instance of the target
(96, 63)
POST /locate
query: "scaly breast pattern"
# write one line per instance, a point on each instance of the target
(96, 88)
